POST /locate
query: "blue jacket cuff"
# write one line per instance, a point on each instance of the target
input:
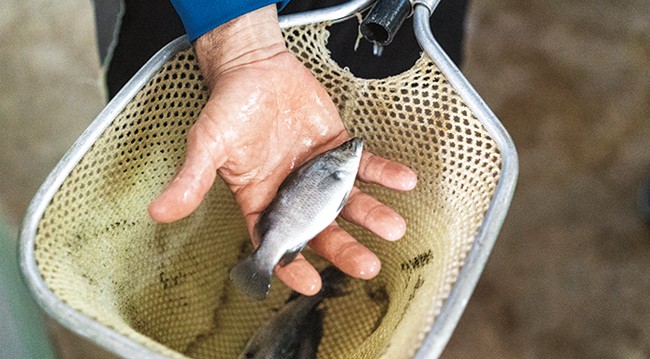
(201, 16)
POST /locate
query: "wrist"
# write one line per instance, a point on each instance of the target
(252, 37)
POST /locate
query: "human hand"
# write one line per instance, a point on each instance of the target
(267, 115)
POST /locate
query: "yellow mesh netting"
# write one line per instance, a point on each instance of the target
(167, 287)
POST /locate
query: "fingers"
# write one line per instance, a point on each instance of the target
(184, 194)
(300, 276)
(342, 250)
(390, 174)
(366, 211)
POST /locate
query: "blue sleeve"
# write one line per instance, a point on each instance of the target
(201, 16)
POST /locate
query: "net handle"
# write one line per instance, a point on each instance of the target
(336, 13)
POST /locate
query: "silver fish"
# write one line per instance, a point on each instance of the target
(308, 200)
(296, 330)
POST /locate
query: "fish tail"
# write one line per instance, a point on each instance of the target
(251, 277)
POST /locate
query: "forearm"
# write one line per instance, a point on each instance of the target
(252, 37)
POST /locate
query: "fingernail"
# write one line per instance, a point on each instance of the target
(409, 182)
(358, 262)
(396, 229)
(309, 285)
(370, 268)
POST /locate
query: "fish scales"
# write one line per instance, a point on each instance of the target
(307, 201)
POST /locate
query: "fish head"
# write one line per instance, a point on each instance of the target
(346, 157)
(352, 147)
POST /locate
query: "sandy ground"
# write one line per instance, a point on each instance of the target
(569, 275)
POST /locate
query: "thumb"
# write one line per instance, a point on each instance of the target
(204, 155)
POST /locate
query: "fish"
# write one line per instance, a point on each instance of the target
(295, 331)
(308, 200)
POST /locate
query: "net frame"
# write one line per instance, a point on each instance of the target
(452, 308)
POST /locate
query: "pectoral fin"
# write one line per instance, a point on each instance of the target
(332, 180)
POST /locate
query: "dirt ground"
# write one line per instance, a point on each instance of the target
(569, 275)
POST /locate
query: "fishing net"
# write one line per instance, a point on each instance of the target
(166, 286)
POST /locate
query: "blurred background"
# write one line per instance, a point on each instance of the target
(569, 275)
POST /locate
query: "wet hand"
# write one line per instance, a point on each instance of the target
(267, 115)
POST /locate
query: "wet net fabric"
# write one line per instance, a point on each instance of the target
(166, 286)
